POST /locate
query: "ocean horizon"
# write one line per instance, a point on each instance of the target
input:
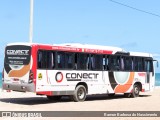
(157, 82)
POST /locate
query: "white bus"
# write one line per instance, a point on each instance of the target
(76, 70)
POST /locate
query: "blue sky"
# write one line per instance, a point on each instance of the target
(101, 22)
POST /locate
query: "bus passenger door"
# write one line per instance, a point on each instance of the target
(149, 75)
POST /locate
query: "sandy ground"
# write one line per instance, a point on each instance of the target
(17, 101)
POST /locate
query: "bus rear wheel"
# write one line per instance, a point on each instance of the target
(136, 90)
(79, 94)
(54, 98)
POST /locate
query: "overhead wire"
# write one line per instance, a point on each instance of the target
(134, 8)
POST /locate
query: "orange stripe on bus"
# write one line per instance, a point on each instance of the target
(21, 72)
(125, 87)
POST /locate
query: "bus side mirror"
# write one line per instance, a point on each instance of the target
(157, 64)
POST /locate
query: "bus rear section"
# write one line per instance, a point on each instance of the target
(17, 73)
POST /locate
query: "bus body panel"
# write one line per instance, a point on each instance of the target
(62, 80)
(105, 83)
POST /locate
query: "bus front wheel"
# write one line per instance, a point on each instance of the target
(79, 94)
(136, 90)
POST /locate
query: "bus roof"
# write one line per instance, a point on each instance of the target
(75, 47)
(141, 54)
(89, 48)
(21, 43)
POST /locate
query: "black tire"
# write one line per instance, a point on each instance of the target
(136, 90)
(79, 94)
(54, 98)
(111, 95)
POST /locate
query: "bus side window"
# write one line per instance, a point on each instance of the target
(122, 63)
(92, 62)
(114, 63)
(136, 64)
(69, 60)
(118, 63)
(75, 61)
(82, 61)
(132, 64)
(140, 64)
(107, 62)
(88, 63)
(61, 60)
(128, 63)
(151, 67)
(145, 65)
(148, 66)
(40, 59)
(98, 62)
(95, 62)
(111, 63)
(50, 60)
(104, 63)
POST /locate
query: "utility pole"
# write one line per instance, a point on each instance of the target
(31, 22)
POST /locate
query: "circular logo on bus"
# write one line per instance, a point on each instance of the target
(59, 77)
